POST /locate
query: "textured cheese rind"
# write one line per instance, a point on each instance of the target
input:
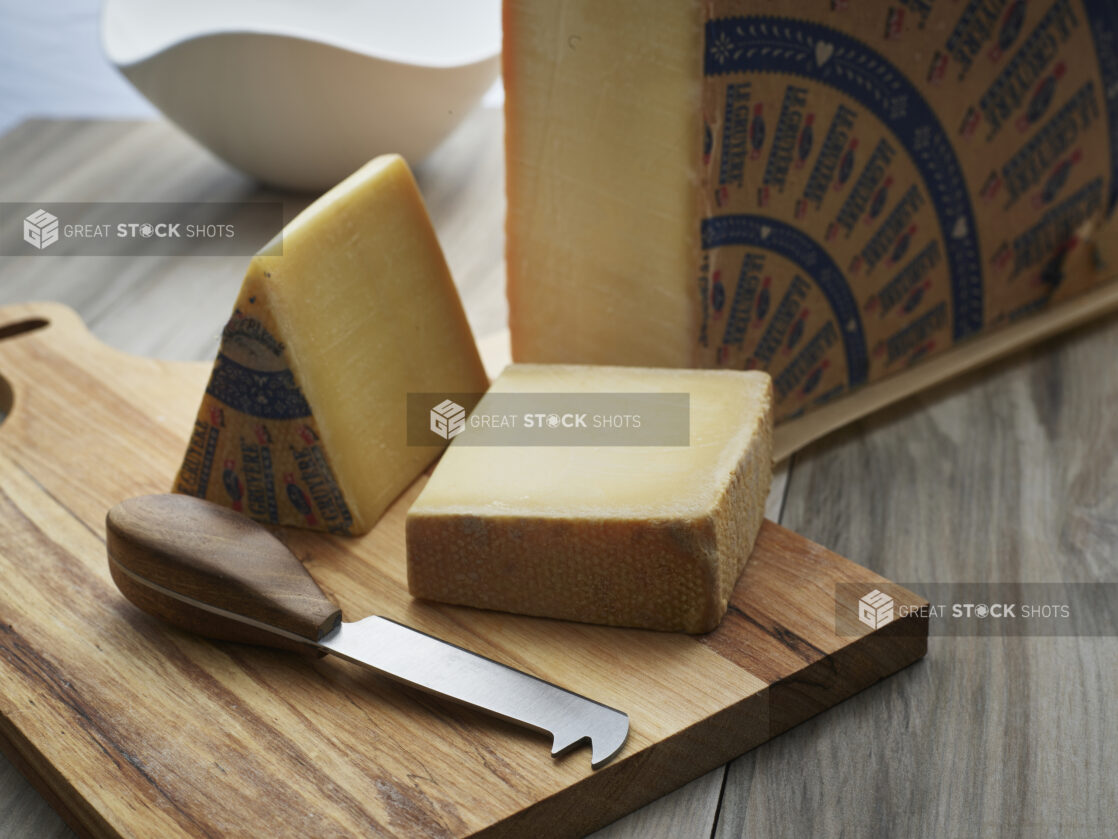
(631, 563)
(738, 516)
(330, 333)
(256, 446)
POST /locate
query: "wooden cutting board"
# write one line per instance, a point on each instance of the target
(131, 728)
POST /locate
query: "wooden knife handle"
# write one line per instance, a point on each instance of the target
(212, 571)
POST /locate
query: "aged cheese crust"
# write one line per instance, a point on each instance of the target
(634, 562)
(256, 446)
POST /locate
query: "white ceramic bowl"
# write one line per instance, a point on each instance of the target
(300, 93)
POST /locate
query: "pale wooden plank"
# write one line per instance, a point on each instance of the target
(23, 812)
(1007, 475)
(687, 813)
(463, 183)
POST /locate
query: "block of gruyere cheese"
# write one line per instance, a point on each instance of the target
(832, 192)
(640, 536)
(338, 319)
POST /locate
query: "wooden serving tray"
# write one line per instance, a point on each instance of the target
(132, 728)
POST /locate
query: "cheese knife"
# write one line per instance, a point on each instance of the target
(212, 571)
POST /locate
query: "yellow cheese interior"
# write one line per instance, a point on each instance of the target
(602, 156)
(356, 307)
(605, 481)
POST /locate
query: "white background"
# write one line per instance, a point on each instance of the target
(51, 64)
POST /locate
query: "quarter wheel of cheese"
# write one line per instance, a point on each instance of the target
(342, 316)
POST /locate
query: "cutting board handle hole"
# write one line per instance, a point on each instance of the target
(5, 399)
(22, 327)
(11, 330)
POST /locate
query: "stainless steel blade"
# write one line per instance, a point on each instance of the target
(425, 662)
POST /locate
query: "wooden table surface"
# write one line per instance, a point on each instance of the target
(1008, 474)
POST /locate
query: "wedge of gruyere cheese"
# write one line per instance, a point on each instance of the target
(641, 536)
(831, 192)
(338, 319)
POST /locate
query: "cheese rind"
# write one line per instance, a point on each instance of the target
(302, 422)
(650, 536)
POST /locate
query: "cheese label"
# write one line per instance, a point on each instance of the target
(256, 446)
(886, 180)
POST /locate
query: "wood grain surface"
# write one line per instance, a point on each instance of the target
(139, 729)
(993, 737)
(1004, 476)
